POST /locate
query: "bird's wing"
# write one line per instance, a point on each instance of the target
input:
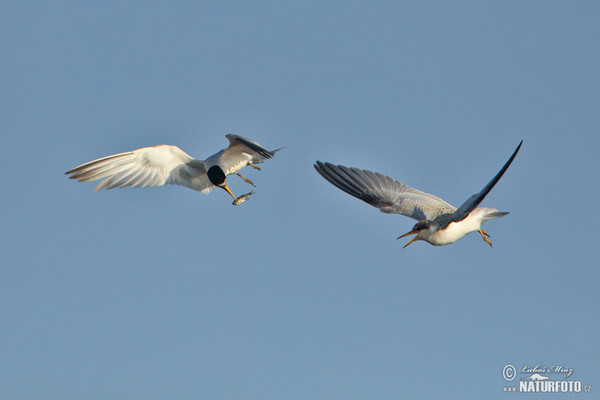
(240, 152)
(472, 202)
(145, 167)
(383, 192)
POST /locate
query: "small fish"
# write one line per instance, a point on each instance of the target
(242, 199)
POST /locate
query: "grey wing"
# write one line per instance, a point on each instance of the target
(240, 152)
(383, 192)
(145, 167)
(472, 202)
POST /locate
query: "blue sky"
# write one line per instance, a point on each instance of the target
(302, 292)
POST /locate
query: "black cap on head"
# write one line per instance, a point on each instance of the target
(421, 225)
(216, 175)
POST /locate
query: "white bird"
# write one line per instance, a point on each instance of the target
(439, 222)
(167, 164)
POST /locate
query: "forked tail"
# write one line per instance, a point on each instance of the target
(494, 214)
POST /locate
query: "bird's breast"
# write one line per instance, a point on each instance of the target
(454, 231)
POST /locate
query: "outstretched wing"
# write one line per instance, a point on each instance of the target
(383, 192)
(472, 202)
(145, 167)
(240, 152)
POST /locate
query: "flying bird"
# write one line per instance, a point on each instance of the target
(166, 164)
(439, 222)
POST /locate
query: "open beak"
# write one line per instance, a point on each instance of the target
(229, 191)
(408, 234)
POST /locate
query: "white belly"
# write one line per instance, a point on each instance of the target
(455, 231)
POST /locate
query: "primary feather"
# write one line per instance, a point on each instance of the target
(384, 192)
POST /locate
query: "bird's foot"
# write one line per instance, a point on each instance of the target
(242, 199)
(245, 179)
(254, 166)
(483, 236)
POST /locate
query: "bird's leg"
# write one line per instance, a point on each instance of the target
(245, 179)
(484, 232)
(483, 236)
(254, 166)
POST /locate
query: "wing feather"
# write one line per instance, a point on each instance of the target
(240, 152)
(472, 202)
(145, 167)
(383, 192)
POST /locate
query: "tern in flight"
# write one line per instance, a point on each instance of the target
(167, 164)
(439, 222)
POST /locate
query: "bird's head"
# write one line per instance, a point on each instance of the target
(217, 177)
(421, 229)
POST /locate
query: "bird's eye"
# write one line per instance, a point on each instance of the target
(421, 225)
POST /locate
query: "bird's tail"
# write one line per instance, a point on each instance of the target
(494, 214)
(272, 152)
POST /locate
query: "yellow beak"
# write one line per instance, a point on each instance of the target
(411, 240)
(407, 234)
(229, 191)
